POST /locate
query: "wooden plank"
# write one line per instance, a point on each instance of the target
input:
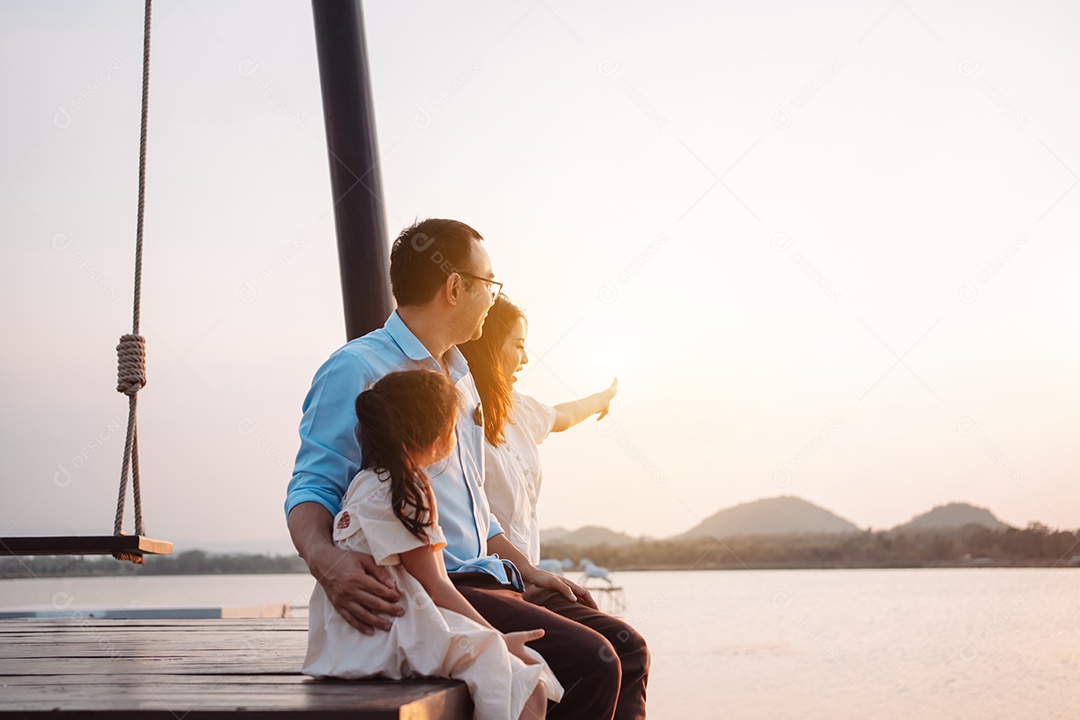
(155, 669)
(35, 625)
(156, 666)
(256, 681)
(179, 693)
(175, 640)
(364, 700)
(84, 545)
(272, 610)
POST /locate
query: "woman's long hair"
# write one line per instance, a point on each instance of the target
(402, 415)
(496, 393)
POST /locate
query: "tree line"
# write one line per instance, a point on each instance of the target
(973, 545)
(1034, 546)
(191, 562)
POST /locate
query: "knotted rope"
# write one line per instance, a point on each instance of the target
(131, 372)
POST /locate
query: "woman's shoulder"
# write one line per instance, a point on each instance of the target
(537, 416)
(526, 404)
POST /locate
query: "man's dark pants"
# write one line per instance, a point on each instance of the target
(602, 663)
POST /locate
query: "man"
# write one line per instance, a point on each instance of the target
(443, 283)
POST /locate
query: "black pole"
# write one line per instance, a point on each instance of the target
(354, 165)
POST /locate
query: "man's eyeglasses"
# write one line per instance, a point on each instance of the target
(494, 286)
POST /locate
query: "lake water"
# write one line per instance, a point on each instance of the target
(807, 644)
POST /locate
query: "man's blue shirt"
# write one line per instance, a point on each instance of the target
(329, 454)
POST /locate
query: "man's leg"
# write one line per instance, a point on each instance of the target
(630, 648)
(573, 651)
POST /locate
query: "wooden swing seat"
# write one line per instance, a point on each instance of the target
(84, 545)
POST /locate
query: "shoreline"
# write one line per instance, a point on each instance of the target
(121, 571)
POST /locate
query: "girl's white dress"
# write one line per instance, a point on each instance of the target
(427, 641)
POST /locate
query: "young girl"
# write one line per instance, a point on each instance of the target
(515, 423)
(406, 423)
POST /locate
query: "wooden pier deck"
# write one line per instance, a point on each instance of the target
(125, 669)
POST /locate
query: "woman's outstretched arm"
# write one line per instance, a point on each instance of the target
(569, 414)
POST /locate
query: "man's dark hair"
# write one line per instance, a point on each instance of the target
(425, 254)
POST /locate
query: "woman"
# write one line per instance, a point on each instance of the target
(515, 424)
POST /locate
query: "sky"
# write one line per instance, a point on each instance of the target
(829, 250)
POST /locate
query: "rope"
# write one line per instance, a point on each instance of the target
(131, 372)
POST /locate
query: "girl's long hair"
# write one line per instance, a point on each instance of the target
(401, 416)
(496, 393)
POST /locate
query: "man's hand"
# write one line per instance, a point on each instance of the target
(569, 589)
(359, 589)
(533, 575)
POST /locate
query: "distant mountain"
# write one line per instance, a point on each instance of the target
(585, 537)
(548, 535)
(785, 515)
(951, 517)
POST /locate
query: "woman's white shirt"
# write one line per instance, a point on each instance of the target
(512, 475)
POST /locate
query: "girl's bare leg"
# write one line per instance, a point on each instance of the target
(536, 706)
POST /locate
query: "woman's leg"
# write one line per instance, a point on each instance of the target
(574, 652)
(629, 650)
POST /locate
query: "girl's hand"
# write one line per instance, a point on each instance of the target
(515, 642)
(606, 397)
